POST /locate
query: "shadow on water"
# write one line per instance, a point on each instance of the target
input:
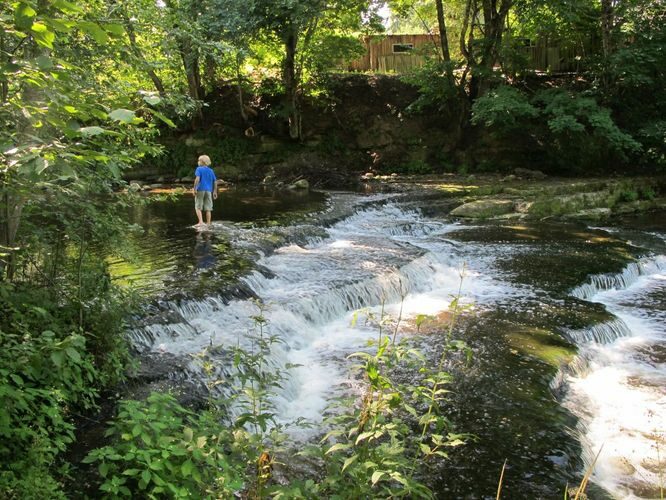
(168, 257)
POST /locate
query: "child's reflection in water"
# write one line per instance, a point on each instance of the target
(203, 255)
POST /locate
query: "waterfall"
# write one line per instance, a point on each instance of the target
(602, 333)
(613, 385)
(379, 256)
(619, 281)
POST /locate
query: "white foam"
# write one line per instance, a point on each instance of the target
(379, 258)
(620, 397)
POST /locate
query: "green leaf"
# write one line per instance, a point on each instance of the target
(39, 27)
(122, 115)
(23, 16)
(58, 357)
(103, 469)
(60, 25)
(166, 120)
(186, 468)
(349, 461)
(95, 31)
(44, 38)
(156, 464)
(115, 29)
(91, 131)
(44, 62)
(376, 476)
(188, 434)
(146, 475)
(153, 100)
(73, 354)
(337, 447)
(66, 7)
(39, 165)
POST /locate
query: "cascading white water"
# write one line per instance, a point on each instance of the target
(380, 255)
(618, 392)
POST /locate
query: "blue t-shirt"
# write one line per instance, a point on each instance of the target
(206, 178)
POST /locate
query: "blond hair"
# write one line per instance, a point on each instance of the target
(204, 160)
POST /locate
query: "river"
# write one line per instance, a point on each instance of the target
(566, 322)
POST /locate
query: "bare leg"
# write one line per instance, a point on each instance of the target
(199, 216)
(209, 215)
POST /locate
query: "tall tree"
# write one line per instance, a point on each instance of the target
(58, 136)
(296, 24)
(484, 23)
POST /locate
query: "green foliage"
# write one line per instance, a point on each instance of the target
(505, 108)
(371, 450)
(181, 157)
(631, 80)
(584, 134)
(46, 371)
(161, 449)
(574, 131)
(435, 90)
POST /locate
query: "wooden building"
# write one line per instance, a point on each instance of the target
(395, 53)
(400, 53)
(553, 56)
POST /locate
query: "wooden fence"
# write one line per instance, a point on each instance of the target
(395, 53)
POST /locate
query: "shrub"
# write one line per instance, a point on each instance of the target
(164, 450)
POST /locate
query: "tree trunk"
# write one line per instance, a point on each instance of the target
(131, 34)
(443, 39)
(481, 63)
(607, 23)
(239, 86)
(10, 216)
(291, 85)
(191, 67)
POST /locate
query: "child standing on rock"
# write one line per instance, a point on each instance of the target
(204, 190)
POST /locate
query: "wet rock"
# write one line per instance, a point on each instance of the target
(301, 184)
(378, 134)
(643, 489)
(155, 366)
(194, 141)
(621, 466)
(508, 178)
(484, 209)
(529, 174)
(592, 214)
(367, 176)
(268, 144)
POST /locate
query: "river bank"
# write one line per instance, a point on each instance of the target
(523, 195)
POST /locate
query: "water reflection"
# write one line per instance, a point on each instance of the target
(170, 257)
(203, 250)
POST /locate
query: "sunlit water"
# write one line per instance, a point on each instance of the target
(537, 293)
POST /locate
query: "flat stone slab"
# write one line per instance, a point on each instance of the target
(483, 209)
